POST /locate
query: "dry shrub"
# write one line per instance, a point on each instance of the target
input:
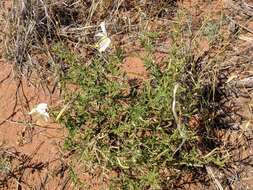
(35, 25)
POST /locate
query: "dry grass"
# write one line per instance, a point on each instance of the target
(144, 132)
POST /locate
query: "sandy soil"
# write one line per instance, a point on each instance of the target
(40, 142)
(33, 144)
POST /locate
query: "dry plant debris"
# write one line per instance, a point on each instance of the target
(136, 121)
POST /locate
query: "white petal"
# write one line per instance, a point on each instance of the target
(102, 25)
(40, 109)
(104, 44)
(100, 34)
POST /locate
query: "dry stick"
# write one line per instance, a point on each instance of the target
(43, 183)
(210, 172)
(27, 101)
(14, 111)
(3, 121)
(242, 26)
(92, 10)
(244, 83)
(22, 167)
(65, 183)
(177, 120)
(247, 9)
(5, 78)
(19, 186)
(65, 108)
(241, 7)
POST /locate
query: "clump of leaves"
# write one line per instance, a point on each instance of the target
(139, 131)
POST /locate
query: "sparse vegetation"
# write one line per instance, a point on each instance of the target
(141, 130)
(130, 133)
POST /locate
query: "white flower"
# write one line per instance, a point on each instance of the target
(41, 110)
(104, 42)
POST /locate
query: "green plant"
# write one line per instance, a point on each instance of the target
(4, 165)
(141, 132)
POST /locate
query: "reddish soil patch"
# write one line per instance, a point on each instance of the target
(19, 131)
(35, 149)
(134, 68)
(204, 45)
(250, 25)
